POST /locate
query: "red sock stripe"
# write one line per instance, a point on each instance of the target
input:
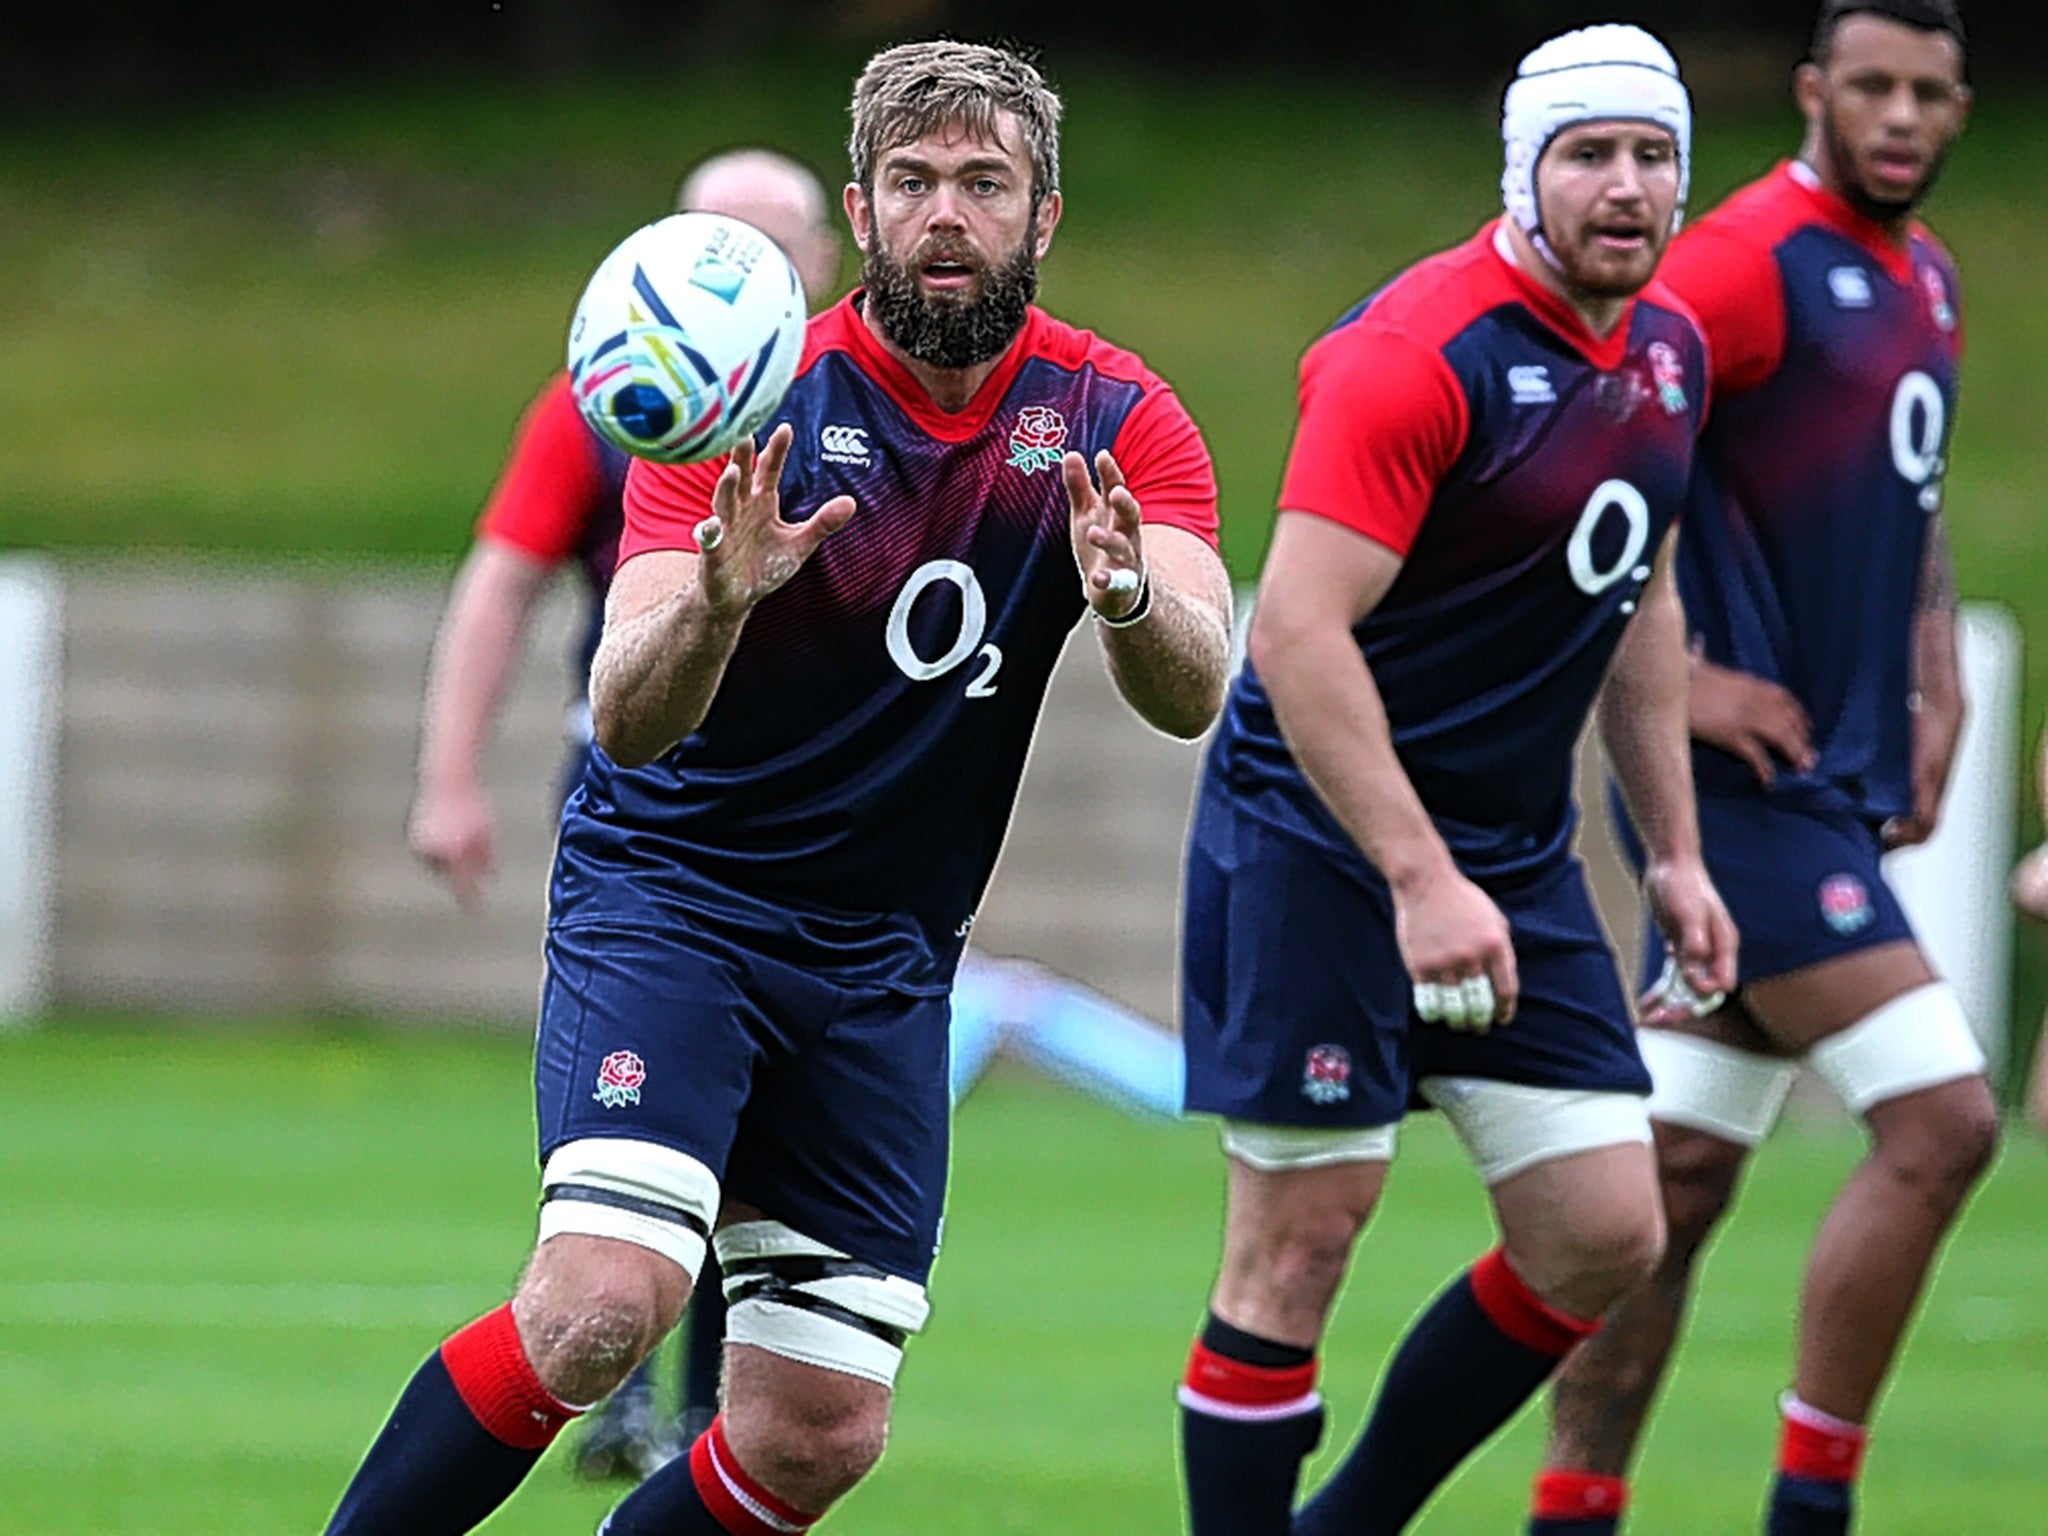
(1829, 1455)
(490, 1370)
(1247, 1386)
(1521, 1314)
(1566, 1495)
(735, 1500)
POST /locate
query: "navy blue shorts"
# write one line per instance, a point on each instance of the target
(1296, 1009)
(1803, 885)
(822, 1103)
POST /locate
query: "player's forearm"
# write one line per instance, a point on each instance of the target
(1331, 713)
(655, 675)
(1642, 720)
(1173, 665)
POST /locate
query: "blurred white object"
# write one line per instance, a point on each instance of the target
(31, 609)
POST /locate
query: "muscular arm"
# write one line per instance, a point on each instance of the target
(475, 651)
(1320, 580)
(659, 663)
(1938, 702)
(674, 616)
(1171, 667)
(1642, 720)
(1643, 724)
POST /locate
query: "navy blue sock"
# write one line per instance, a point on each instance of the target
(1809, 1506)
(706, 1493)
(433, 1470)
(1481, 1350)
(1249, 1417)
(704, 1341)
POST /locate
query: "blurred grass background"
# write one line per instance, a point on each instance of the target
(305, 329)
(205, 1313)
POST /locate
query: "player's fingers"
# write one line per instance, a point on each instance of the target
(1753, 752)
(1507, 983)
(823, 523)
(1429, 1001)
(1477, 992)
(709, 534)
(1081, 496)
(1110, 473)
(1451, 1004)
(768, 472)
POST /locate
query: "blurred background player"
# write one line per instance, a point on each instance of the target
(1826, 706)
(1382, 901)
(2030, 895)
(558, 502)
(809, 735)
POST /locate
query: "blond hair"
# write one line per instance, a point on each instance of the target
(915, 89)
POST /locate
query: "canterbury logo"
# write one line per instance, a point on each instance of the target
(843, 445)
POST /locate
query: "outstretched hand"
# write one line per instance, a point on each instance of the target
(748, 550)
(1105, 524)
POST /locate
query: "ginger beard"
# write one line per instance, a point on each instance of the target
(950, 328)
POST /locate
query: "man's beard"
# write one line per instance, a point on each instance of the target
(949, 331)
(1879, 210)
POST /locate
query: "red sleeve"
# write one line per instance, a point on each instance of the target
(551, 484)
(1167, 465)
(1382, 419)
(1733, 288)
(665, 503)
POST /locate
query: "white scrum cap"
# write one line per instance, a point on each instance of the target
(1595, 74)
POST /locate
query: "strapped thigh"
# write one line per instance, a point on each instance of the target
(804, 1301)
(634, 1191)
(1918, 1039)
(1507, 1127)
(1710, 1086)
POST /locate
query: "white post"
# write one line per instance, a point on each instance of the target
(1953, 886)
(31, 610)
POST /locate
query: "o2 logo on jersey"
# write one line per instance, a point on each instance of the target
(973, 623)
(1591, 578)
(1919, 417)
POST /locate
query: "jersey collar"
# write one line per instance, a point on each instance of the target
(1603, 352)
(1838, 214)
(897, 381)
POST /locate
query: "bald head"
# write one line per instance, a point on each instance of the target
(778, 196)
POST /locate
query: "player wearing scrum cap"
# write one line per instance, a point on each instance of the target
(1382, 904)
(1825, 711)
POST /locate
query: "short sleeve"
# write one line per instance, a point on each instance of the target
(1382, 419)
(1167, 465)
(665, 503)
(552, 482)
(1733, 287)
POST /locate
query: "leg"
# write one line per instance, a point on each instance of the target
(2037, 1083)
(816, 1341)
(1581, 1226)
(703, 1353)
(1893, 1044)
(1716, 1096)
(1249, 1409)
(478, 1414)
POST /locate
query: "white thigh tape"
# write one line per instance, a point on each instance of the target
(635, 1191)
(808, 1302)
(1730, 1093)
(1282, 1148)
(1507, 1127)
(1914, 1041)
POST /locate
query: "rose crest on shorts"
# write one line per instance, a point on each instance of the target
(619, 1077)
(1845, 904)
(1326, 1075)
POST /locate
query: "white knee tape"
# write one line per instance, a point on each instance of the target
(1282, 1148)
(1916, 1040)
(1507, 1127)
(1730, 1093)
(635, 1191)
(804, 1301)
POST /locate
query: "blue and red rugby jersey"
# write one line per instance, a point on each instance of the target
(1527, 471)
(850, 787)
(1835, 354)
(561, 497)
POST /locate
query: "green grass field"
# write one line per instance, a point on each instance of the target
(223, 1251)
